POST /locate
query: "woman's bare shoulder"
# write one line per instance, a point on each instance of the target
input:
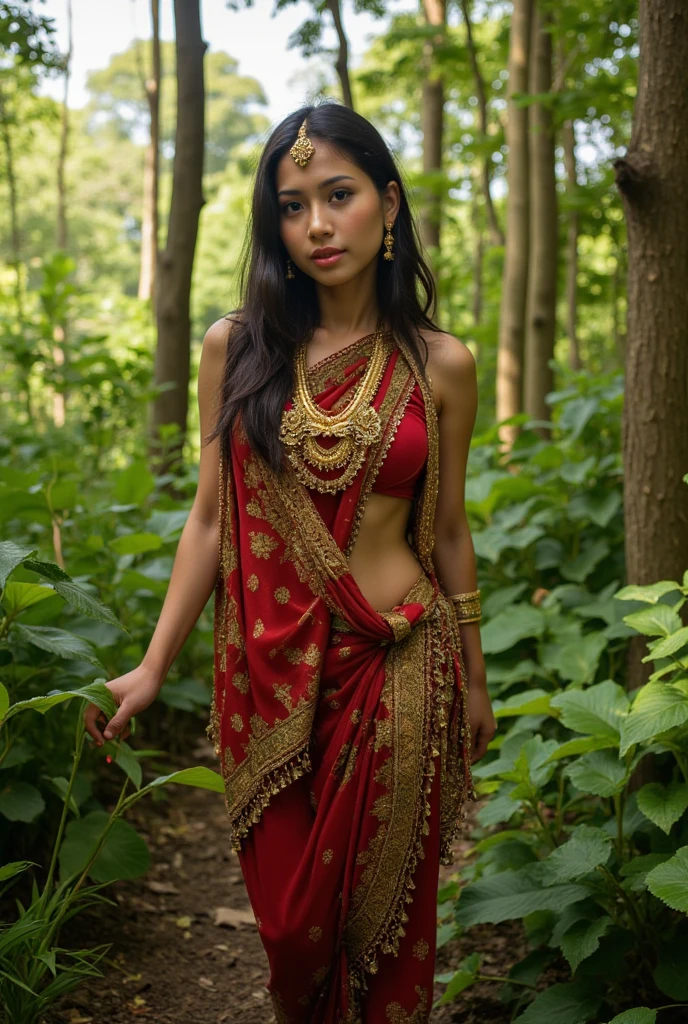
(218, 334)
(451, 365)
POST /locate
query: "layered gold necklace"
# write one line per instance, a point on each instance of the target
(357, 425)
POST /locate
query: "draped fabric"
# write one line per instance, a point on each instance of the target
(342, 731)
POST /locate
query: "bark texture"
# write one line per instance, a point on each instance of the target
(342, 54)
(542, 273)
(432, 118)
(172, 357)
(515, 276)
(653, 180)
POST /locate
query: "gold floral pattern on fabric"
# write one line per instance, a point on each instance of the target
(254, 508)
(258, 628)
(283, 694)
(315, 933)
(396, 1014)
(421, 948)
(282, 595)
(262, 544)
(297, 656)
(237, 723)
(344, 652)
(253, 582)
(327, 856)
(241, 682)
(281, 1015)
(355, 716)
(331, 369)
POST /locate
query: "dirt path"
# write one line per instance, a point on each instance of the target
(176, 956)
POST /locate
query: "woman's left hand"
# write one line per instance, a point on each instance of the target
(480, 716)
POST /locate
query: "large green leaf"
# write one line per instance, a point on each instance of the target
(669, 881)
(671, 972)
(663, 805)
(575, 1002)
(20, 596)
(672, 644)
(587, 848)
(85, 603)
(638, 1015)
(659, 620)
(4, 701)
(657, 708)
(600, 772)
(462, 978)
(97, 693)
(582, 939)
(11, 555)
(528, 702)
(56, 641)
(598, 711)
(578, 658)
(125, 853)
(532, 767)
(651, 593)
(136, 543)
(134, 483)
(578, 569)
(203, 778)
(513, 894)
(509, 627)
(582, 745)
(20, 801)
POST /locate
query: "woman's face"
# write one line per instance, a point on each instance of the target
(332, 204)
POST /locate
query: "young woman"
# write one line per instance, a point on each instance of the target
(349, 694)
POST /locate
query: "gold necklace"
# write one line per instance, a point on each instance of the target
(357, 425)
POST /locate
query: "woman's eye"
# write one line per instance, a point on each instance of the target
(341, 191)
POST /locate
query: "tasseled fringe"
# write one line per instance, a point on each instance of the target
(270, 785)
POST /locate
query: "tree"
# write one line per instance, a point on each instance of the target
(151, 174)
(172, 357)
(653, 179)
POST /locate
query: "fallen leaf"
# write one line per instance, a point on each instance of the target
(74, 1017)
(184, 922)
(167, 888)
(206, 982)
(234, 918)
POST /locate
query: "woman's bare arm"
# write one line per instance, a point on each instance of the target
(196, 562)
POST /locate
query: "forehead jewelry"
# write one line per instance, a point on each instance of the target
(303, 148)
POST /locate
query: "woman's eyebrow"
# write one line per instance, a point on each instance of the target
(327, 181)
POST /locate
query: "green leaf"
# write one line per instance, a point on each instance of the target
(56, 641)
(203, 778)
(657, 708)
(578, 569)
(581, 745)
(136, 543)
(638, 1015)
(85, 603)
(528, 702)
(134, 484)
(124, 854)
(599, 710)
(651, 593)
(462, 979)
(513, 894)
(672, 644)
(509, 627)
(11, 555)
(4, 702)
(671, 973)
(20, 801)
(663, 805)
(50, 570)
(577, 659)
(582, 939)
(15, 867)
(20, 596)
(669, 881)
(123, 755)
(587, 848)
(97, 693)
(572, 1003)
(661, 620)
(599, 772)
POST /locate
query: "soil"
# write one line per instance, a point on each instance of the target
(185, 947)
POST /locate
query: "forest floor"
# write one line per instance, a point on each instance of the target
(185, 946)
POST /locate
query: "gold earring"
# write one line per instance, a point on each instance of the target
(290, 270)
(389, 241)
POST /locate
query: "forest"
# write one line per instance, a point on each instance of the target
(545, 148)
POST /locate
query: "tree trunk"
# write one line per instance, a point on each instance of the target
(568, 138)
(542, 273)
(653, 180)
(151, 173)
(60, 338)
(172, 357)
(496, 233)
(515, 275)
(15, 234)
(343, 53)
(432, 119)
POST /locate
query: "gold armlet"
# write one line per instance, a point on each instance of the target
(467, 606)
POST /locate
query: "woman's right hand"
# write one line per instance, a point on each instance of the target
(133, 692)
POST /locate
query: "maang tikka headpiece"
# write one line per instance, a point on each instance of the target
(303, 148)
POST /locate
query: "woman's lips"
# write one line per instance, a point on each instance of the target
(327, 261)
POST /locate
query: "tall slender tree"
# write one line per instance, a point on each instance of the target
(151, 173)
(172, 357)
(653, 179)
(515, 276)
(432, 120)
(60, 330)
(544, 241)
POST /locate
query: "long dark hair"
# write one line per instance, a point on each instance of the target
(276, 314)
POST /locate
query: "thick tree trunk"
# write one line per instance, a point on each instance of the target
(542, 273)
(172, 357)
(151, 173)
(496, 233)
(568, 138)
(432, 119)
(343, 53)
(653, 180)
(515, 276)
(60, 354)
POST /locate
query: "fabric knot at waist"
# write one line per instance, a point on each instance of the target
(417, 606)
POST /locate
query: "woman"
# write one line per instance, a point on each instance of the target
(349, 694)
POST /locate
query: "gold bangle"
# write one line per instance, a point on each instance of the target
(467, 606)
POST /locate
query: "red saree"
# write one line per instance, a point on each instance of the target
(342, 731)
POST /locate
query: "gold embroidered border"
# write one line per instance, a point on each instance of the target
(331, 369)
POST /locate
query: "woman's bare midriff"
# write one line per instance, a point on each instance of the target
(382, 562)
